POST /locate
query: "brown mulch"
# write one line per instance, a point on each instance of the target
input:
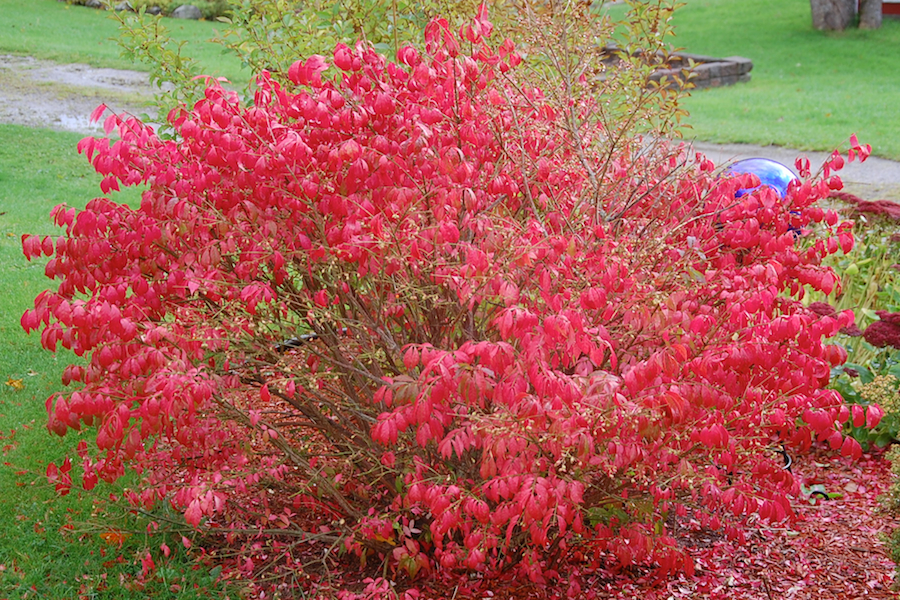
(838, 549)
(881, 208)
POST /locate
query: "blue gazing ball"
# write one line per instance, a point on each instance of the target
(770, 173)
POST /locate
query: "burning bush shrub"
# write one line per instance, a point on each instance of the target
(478, 333)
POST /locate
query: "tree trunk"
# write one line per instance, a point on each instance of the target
(869, 14)
(835, 15)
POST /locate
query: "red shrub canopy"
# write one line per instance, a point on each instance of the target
(535, 344)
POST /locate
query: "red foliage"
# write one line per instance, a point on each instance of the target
(536, 349)
(823, 309)
(877, 208)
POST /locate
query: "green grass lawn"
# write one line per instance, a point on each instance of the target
(809, 90)
(59, 547)
(66, 33)
(55, 547)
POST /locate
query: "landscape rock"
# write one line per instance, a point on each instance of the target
(154, 10)
(94, 4)
(123, 6)
(187, 11)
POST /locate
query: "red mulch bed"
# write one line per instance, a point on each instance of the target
(837, 550)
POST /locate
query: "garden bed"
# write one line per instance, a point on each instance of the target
(701, 71)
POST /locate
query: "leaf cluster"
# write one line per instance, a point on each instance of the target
(875, 382)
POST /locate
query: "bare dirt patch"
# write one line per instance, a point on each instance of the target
(39, 93)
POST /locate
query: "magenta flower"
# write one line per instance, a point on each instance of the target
(885, 332)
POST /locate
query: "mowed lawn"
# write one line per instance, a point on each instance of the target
(809, 90)
(83, 545)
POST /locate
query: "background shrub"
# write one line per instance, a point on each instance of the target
(871, 289)
(210, 9)
(564, 46)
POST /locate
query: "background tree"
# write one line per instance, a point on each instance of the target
(837, 15)
(870, 14)
(834, 15)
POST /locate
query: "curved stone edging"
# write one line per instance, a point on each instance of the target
(699, 70)
(708, 71)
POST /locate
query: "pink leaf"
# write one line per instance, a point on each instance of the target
(98, 112)
(110, 124)
(194, 513)
(308, 72)
(874, 413)
(851, 448)
(147, 565)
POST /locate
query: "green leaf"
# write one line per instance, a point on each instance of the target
(884, 439)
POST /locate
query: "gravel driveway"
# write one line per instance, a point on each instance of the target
(40, 93)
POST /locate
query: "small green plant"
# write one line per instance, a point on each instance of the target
(870, 278)
(870, 287)
(875, 383)
(893, 498)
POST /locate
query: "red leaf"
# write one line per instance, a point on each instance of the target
(383, 105)
(147, 565)
(110, 123)
(819, 420)
(308, 72)
(343, 57)
(835, 440)
(843, 414)
(193, 514)
(52, 473)
(98, 112)
(851, 448)
(874, 413)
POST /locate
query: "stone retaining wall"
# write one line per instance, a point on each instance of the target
(706, 71)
